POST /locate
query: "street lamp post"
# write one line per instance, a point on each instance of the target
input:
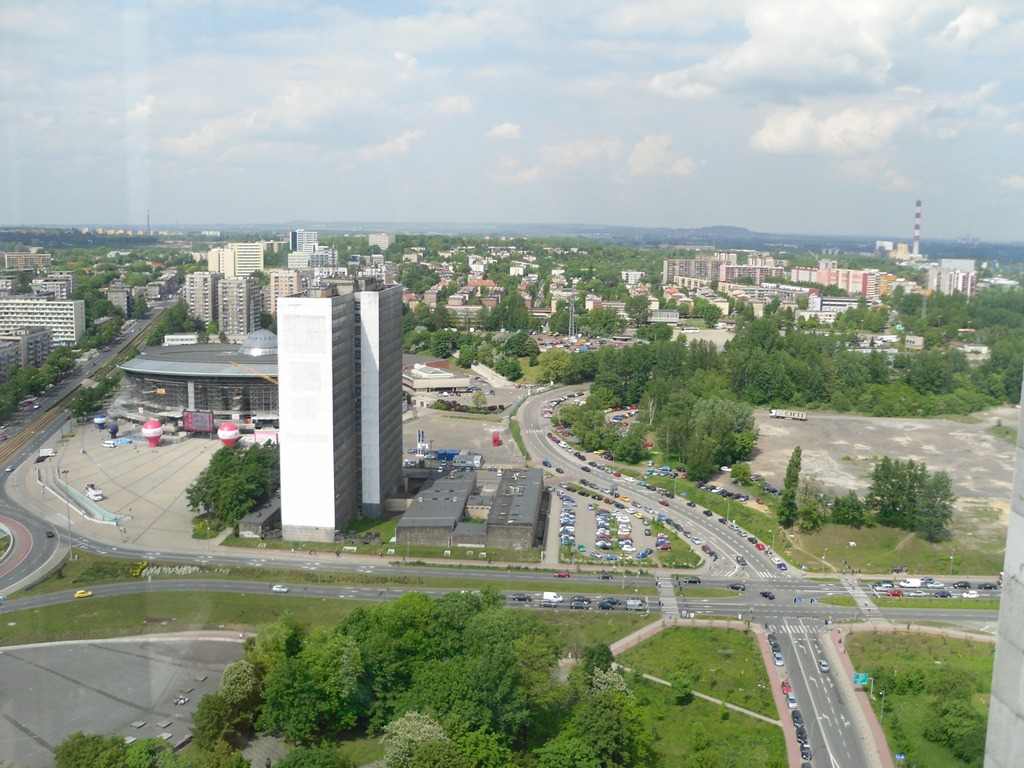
(67, 505)
(881, 717)
(823, 560)
(951, 553)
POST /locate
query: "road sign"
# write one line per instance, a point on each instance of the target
(901, 757)
(860, 678)
(814, 599)
(798, 599)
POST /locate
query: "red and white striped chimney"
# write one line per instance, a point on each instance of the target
(917, 229)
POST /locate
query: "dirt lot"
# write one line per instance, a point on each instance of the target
(840, 451)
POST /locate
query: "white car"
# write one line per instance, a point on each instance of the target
(970, 594)
(791, 700)
(279, 588)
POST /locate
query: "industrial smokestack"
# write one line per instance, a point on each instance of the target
(917, 229)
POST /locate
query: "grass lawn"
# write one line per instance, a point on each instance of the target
(898, 659)
(577, 628)
(156, 612)
(722, 663)
(736, 740)
(931, 602)
(878, 549)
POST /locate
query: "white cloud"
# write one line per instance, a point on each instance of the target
(654, 155)
(974, 22)
(142, 109)
(508, 170)
(454, 105)
(799, 46)
(851, 130)
(876, 171)
(504, 131)
(571, 154)
(393, 147)
(408, 63)
(1013, 181)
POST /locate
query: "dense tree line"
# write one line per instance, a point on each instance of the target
(174, 319)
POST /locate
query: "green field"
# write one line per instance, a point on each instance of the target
(723, 663)
(736, 740)
(931, 681)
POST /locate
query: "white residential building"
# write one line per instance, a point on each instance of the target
(64, 318)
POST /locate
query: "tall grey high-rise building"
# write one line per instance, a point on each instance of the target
(1004, 746)
(201, 295)
(238, 307)
(339, 363)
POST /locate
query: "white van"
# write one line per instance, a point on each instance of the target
(911, 583)
(636, 604)
(553, 597)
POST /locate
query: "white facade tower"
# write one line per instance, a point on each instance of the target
(379, 373)
(319, 431)
(1004, 746)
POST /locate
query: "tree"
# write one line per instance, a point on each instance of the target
(510, 368)
(935, 507)
(850, 510)
(566, 752)
(638, 309)
(741, 473)
(521, 345)
(402, 736)
(214, 721)
(240, 688)
(612, 723)
(479, 399)
(145, 753)
(682, 692)
(80, 750)
(787, 512)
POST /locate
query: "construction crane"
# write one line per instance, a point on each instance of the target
(253, 371)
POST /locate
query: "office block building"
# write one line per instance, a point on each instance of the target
(303, 240)
(238, 307)
(222, 261)
(340, 364)
(248, 258)
(34, 260)
(34, 344)
(200, 294)
(64, 319)
(378, 361)
(122, 296)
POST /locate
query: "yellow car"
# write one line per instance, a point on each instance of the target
(83, 593)
(624, 498)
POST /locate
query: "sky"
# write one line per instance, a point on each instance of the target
(787, 116)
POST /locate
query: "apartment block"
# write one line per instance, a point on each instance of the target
(238, 307)
(200, 294)
(65, 319)
(283, 282)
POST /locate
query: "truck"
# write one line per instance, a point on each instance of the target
(780, 413)
(447, 454)
(552, 597)
(45, 453)
(94, 493)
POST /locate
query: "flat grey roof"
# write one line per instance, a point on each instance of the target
(201, 360)
(440, 503)
(517, 500)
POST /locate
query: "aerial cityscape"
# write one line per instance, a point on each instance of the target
(313, 318)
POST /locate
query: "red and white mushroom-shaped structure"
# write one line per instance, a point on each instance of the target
(152, 430)
(228, 434)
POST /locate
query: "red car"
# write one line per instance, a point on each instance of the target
(894, 593)
(760, 546)
(786, 687)
(759, 500)
(561, 574)
(663, 502)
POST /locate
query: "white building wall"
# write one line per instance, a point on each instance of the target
(380, 395)
(319, 438)
(65, 319)
(1005, 743)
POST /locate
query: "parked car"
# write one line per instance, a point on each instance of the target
(786, 687)
(777, 658)
(561, 574)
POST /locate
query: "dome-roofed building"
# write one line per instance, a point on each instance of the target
(259, 344)
(235, 382)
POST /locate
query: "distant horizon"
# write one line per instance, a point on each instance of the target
(487, 228)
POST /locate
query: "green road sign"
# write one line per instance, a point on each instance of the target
(860, 678)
